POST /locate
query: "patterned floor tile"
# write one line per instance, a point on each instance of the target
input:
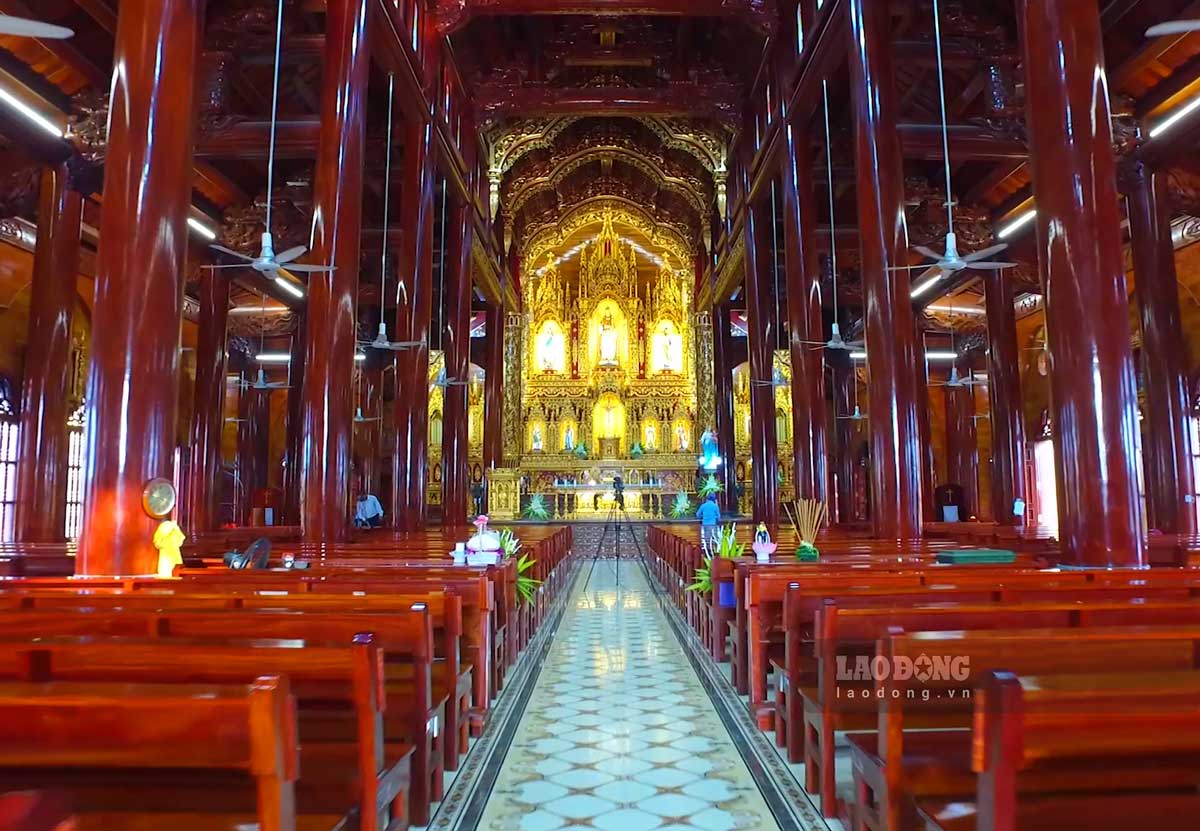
(619, 734)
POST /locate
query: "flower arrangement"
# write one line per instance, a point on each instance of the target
(724, 546)
(581, 450)
(537, 508)
(682, 506)
(807, 516)
(710, 486)
(510, 545)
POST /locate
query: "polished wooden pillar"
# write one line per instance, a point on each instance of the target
(42, 438)
(208, 409)
(328, 415)
(962, 445)
(928, 463)
(253, 449)
(1092, 380)
(805, 319)
(456, 340)
(1167, 450)
(1004, 399)
(761, 337)
(843, 405)
(493, 389)
(295, 423)
(896, 455)
(723, 398)
(367, 433)
(414, 292)
(133, 384)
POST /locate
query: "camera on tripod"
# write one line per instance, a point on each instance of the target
(619, 492)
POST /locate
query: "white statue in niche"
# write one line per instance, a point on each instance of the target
(608, 342)
(536, 442)
(651, 437)
(681, 438)
(569, 438)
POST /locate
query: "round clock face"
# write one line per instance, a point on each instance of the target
(158, 497)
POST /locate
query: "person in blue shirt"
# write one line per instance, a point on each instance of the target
(709, 514)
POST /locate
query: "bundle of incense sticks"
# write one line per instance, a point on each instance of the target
(807, 516)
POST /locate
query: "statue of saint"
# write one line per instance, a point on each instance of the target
(681, 438)
(650, 437)
(569, 438)
(537, 438)
(608, 342)
(710, 456)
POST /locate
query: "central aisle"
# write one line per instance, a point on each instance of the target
(619, 735)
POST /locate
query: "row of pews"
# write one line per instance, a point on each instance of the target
(970, 696)
(333, 696)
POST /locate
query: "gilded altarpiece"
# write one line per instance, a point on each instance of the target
(609, 371)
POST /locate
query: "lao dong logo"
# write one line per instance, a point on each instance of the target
(923, 668)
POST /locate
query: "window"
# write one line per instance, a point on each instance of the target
(8, 461)
(75, 444)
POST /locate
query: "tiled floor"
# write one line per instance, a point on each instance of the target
(619, 735)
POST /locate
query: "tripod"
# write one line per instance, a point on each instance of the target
(616, 520)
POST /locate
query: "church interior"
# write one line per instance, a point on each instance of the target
(671, 414)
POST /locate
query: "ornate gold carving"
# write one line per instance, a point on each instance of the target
(551, 237)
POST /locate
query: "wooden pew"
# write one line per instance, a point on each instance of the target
(1103, 752)
(107, 748)
(895, 765)
(413, 716)
(345, 769)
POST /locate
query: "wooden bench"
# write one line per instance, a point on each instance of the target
(131, 757)
(896, 765)
(1103, 752)
(345, 770)
(414, 711)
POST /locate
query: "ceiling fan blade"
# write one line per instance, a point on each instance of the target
(1173, 27)
(310, 269)
(990, 266)
(984, 253)
(231, 252)
(22, 27)
(290, 254)
(907, 267)
(227, 265)
(927, 252)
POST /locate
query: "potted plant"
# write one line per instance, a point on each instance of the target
(682, 507)
(537, 508)
(724, 546)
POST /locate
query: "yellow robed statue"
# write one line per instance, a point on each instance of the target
(167, 539)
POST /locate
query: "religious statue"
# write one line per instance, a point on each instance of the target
(608, 342)
(536, 443)
(548, 352)
(710, 455)
(650, 436)
(569, 438)
(681, 438)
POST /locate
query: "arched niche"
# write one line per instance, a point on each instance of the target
(550, 349)
(568, 434)
(536, 437)
(608, 426)
(608, 336)
(666, 349)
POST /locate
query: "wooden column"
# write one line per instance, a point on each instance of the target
(42, 438)
(493, 389)
(132, 391)
(962, 446)
(295, 424)
(760, 314)
(805, 319)
(208, 411)
(367, 433)
(1004, 399)
(253, 448)
(896, 455)
(1092, 380)
(328, 415)
(414, 291)
(723, 396)
(843, 405)
(928, 463)
(456, 340)
(1167, 450)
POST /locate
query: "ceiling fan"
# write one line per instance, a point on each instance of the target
(948, 261)
(1173, 27)
(835, 342)
(24, 28)
(268, 262)
(261, 382)
(960, 382)
(857, 415)
(442, 381)
(777, 380)
(381, 337)
(359, 418)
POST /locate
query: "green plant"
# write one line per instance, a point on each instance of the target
(710, 486)
(636, 451)
(527, 587)
(682, 506)
(581, 450)
(537, 508)
(509, 543)
(725, 546)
